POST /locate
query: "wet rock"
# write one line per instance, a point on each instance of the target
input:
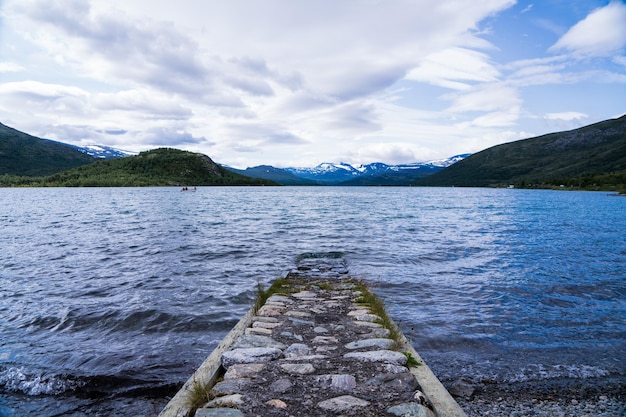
(250, 355)
(372, 343)
(343, 403)
(410, 410)
(387, 356)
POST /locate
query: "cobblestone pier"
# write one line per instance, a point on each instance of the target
(314, 348)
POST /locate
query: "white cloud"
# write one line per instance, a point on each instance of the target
(572, 115)
(601, 33)
(10, 67)
(451, 67)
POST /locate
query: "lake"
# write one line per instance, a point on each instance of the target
(111, 297)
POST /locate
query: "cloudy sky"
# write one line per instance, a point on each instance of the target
(299, 82)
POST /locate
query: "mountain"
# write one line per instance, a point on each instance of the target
(25, 155)
(157, 167)
(103, 152)
(268, 172)
(584, 156)
(376, 173)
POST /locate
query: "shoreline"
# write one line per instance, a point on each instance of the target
(598, 397)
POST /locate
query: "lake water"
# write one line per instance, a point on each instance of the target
(110, 298)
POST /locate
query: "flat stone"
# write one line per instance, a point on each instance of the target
(342, 382)
(402, 382)
(295, 336)
(387, 356)
(218, 412)
(296, 350)
(265, 319)
(304, 294)
(367, 317)
(230, 386)
(294, 313)
(298, 368)
(279, 299)
(368, 324)
(250, 355)
(252, 340)
(276, 403)
(302, 322)
(265, 325)
(374, 333)
(394, 369)
(325, 339)
(371, 343)
(259, 331)
(358, 312)
(410, 410)
(307, 358)
(227, 401)
(282, 385)
(243, 370)
(320, 329)
(343, 403)
(269, 310)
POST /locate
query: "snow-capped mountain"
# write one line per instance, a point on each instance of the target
(104, 152)
(335, 173)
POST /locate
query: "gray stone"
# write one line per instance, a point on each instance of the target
(282, 385)
(250, 355)
(289, 334)
(367, 317)
(230, 386)
(410, 410)
(258, 331)
(325, 339)
(227, 401)
(463, 388)
(372, 343)
(279, 299)
(300, 321)
(270, 311)
(296, 350)
(250, 341)
(368, 324)
(243, 370)
(320, 329)
(294, 313)
(342, 382)
(298, 368)
(381, 332)
(265, 325)
(218, 412)
(265, 319)
(343, 403)
(386, 356)
(403, 382)
(394, 369)
(305, 295)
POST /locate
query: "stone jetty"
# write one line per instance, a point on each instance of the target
(317, 344)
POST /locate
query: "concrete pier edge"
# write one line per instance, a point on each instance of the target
(209, 371)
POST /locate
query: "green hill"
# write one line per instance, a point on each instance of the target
(588, 157)
(157, 167)
(25, 155)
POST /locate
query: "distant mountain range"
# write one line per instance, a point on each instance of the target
(591, 157)
(342, 173)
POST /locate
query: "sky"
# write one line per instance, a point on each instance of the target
(293, 83)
